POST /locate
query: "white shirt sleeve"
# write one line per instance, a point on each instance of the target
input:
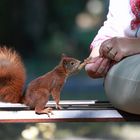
(118, 19)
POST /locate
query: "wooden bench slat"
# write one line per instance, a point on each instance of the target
(74, 111)
(63, 115)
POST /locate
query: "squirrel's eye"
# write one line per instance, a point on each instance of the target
(72, 63)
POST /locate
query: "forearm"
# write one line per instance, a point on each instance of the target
(135, 42)
(132, 43)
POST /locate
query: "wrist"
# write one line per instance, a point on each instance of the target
(134, 43)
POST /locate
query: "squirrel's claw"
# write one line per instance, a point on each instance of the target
(58, 107)
(47, 111)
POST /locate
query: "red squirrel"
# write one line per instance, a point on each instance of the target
(13, 75)
(51, 83)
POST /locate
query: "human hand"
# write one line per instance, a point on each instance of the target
(98, 67)
(117, 48)
(112, 49)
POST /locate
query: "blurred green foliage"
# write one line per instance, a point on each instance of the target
(45, 29)
(41, 30)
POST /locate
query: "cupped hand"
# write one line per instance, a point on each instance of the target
(98, 67)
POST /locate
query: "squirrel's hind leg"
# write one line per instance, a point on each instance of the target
(40, 103)
(44, 111)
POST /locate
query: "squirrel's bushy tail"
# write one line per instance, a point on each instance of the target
(12, 75)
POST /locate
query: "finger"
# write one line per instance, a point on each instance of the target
(93, 59)
(105, 50)
(89, 66)
(92, 68)
(118, 57)
(97, 64)
(106, 71)
(112, 53)
(111, 63)
(106, 46)
(103, 66)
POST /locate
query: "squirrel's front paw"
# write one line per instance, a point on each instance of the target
(58, 107)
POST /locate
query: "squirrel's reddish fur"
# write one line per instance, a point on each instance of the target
(51, 83)
(12, 75)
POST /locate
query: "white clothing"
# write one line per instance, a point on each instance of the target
(118, 23)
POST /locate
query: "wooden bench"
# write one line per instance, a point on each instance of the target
(73, 111)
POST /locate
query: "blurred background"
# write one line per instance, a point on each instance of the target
(41, 30)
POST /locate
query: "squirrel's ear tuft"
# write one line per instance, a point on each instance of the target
(63, 55)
